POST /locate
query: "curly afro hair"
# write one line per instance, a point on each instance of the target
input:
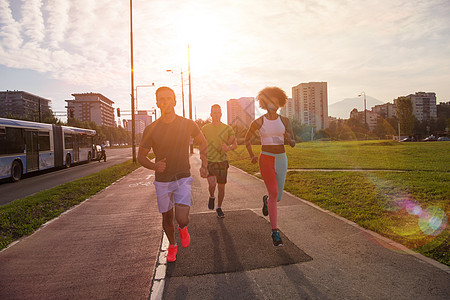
(272, 92)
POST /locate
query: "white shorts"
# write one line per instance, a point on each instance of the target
(169, 193)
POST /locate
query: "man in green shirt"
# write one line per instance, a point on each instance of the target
(221, 139)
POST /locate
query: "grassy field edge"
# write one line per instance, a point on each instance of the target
(24, 216)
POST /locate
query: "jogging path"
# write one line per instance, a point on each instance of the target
(108, 247)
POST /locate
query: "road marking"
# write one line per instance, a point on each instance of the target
(143, 183)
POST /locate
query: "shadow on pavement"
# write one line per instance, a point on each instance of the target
(239, 242)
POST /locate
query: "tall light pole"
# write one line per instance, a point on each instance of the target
(190, 94)
(365, 113)
(182, 87)
(133, 130)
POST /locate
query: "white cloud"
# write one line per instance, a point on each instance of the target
(386, 48)
(9, 28)
(57, 21)
(32, 20)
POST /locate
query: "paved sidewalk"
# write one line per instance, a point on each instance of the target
(104, 248)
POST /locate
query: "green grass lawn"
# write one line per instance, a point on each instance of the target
(23, 216)
(409, 207)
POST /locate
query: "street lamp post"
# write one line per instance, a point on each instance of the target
(133, 138)
(190, 94)
(182, 87)
(365, 113)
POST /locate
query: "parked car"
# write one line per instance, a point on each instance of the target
(443, 138)
(431, 138)
(408, 139)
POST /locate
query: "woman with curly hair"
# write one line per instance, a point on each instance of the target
(274, 131)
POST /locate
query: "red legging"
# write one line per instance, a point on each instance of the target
(273, 169)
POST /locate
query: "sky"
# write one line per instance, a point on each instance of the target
(385, 48)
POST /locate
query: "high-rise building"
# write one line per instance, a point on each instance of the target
(92, 107)
(139, 126)
(424, 105)
(311, 104)
(144, 116)
(288, 110)
(241, 111)
(23, 104)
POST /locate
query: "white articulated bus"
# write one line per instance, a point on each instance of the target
(29, 146)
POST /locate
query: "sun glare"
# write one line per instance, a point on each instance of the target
(205, 36)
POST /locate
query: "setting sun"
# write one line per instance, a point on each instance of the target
(206, 38)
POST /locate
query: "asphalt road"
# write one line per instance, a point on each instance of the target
(40, 181)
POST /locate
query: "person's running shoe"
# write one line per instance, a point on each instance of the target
(184, 236)
(265, 210)
(220, 213)
(172, 253)
(211, 203)
(277, 242)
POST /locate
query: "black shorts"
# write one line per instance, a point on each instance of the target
(218, 169)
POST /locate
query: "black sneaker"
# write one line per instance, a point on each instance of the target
(220, 213)
(211, 203)
(265, 211)
(277, 242)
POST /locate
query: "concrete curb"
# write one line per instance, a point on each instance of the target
(159, 276)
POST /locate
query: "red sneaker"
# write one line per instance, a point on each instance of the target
(184, 236)
(172, 253)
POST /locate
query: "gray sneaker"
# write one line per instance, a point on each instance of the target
(220, 213)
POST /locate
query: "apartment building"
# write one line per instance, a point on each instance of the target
(310, 103)
(144, 116)
(241, 111)
(22, 104)
(92, 107)
(372, 117)
(424, 105)
(288, 110)
(139, 126)
(386, 110)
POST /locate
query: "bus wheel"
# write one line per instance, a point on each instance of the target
(89, 156)
(16, 171)
(68, 161)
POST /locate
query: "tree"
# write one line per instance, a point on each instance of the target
(383, 128)
(202, 123)
(405, 115)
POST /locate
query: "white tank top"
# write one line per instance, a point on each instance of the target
(272, 132)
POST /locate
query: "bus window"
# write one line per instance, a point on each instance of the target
(68, 141)
(3, 140)
(44, 141)
(15, 142)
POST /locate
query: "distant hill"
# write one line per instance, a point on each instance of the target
(343, 108)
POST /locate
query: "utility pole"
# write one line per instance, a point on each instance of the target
(133, 130)
(190, 95)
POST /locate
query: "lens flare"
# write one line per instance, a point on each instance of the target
(412, 207)
(432, 221)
